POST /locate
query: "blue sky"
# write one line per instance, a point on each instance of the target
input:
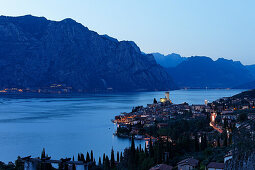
(214, 28)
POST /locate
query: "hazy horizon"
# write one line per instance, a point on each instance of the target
(214, 29)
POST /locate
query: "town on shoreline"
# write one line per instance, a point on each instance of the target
(214, 122)
(213, 135)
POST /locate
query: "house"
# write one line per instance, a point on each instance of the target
(251, 116)
(228, 156)
(229, 117)
(162, 167)
(162, 125)
(227, 111)
(198, 107)
(215, 166)
(244, 107)
(187, 164)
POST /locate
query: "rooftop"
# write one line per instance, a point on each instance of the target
(215, 165)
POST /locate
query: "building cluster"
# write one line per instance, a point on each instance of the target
(54, 88)
(223, 111)
(189, 164)
(161, 112)
(225, 115)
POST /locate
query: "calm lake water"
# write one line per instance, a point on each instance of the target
(68, 125)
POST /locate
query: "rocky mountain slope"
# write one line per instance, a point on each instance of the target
(170, 60)
(251, 69)
(202, 72)
(36, 52)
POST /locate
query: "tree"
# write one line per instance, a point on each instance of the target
(91, 156)
(118, 156)
(151, 151)
(99, 161)
(132, 146)
(145, 150)
(73, 166)
(87, 157)
(196, 143)
(112, 159)
(107, 163)
(225, 123)
(218, 142)
(104, 159)
(79, 157)
(242, 117)
(203, 142)
(121, 157)
(43, 153)
(82, 157)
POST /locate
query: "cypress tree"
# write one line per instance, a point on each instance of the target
(104, 159)
(73, 167)
(87, 157)
(230, 139)
(145, 149)
(118, 156)
(82, 157)
(79, 157)
(43, 153)
(132, 146)
(132, 154)
(218, 142)
(206, 142)
(99, 161)
(91, 156)
(196, 143)
(112, 159)
(107, 163)
(151, 152)
(121, 157)
(66, 167)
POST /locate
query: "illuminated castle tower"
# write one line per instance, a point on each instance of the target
(167, 95)
(163, 100)
(206, 102)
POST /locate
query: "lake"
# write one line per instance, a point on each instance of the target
(66, 125)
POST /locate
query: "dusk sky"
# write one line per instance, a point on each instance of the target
(213, 28)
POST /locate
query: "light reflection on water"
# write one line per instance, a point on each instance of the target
(67, 125)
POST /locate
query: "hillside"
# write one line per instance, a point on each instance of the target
(36, 52)
(247, 94)
(202, 72)
(251, 69)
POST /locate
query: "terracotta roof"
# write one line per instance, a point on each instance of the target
(162, 167)
(189, 161)
(215, 165)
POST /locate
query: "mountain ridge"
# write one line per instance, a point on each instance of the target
(37, 52)
(170, 60)
(202, 72)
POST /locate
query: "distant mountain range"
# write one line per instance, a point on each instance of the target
(202, 72)
(36, 52)
(251, 69)
(170, 60)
